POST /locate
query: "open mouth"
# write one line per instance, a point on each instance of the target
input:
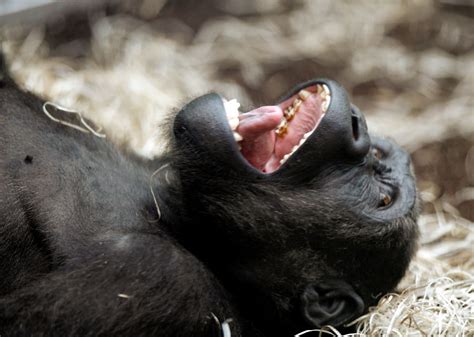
(269, 135)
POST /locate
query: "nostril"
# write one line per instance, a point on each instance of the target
(359, 143)
(355, 126)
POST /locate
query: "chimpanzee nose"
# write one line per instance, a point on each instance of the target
(359, 143)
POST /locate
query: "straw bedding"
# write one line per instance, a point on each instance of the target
(408, 64)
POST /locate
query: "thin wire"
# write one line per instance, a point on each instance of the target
(214, 317)
(158, 210)
(87, 129)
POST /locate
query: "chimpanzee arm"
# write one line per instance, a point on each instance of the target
(137, 285)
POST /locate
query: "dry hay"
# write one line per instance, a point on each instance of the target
(408, 64)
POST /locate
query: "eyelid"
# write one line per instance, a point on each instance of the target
(380, 168)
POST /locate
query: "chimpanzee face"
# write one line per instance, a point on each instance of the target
(304, 188)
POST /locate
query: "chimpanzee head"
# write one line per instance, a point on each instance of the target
(299, 211)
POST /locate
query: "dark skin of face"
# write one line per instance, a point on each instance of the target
(84, 251)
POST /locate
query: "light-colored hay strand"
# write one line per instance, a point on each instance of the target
(443, 307)
(86, 129)
(155, 199)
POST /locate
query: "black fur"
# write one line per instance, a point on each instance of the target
(83, 251)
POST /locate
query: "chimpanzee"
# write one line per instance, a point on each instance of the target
(264, 223)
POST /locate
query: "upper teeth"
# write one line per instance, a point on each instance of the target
(327, 98)
(282, 128)
(304, 94)
(289, 113)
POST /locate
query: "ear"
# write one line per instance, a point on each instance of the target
(331, 303)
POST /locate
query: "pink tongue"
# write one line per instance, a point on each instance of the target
(257, 129)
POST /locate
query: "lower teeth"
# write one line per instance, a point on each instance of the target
(237, 137)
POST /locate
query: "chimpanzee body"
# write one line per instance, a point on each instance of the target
(86, 250)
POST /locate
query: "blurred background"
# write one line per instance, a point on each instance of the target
(409, 65)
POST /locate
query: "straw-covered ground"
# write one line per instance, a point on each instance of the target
(408, 64)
